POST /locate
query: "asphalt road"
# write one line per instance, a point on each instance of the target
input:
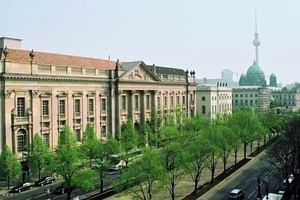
(247, 181)
(41, 192)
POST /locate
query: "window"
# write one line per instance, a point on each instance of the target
(183, 100)
(256, 95)
(77, 106)
(46, 139)
(45, 107)
(172, 101)
(136, 101)
(21, 107)
(62, 107)
(246, 102)
(103, 131)
(241, 102)
(103, 104)
(212, 109)
(77, 134)
(91, 105)
(123, 102)
(21, 140)
(212, 98)
(251, 95)
(236, 95)
(203, 98)
(241, 95)
(147, 101)
(256, 102)
(165, 101)
(158, 101)
(203, 109)
(251, 102)
(246, 95)
(177, 100)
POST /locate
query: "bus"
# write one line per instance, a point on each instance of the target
(118, 161)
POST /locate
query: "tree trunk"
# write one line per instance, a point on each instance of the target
(69, 194)
(235, 157)
(101, 185)
(39, 174)
(212, 175)
(8, 179)
(245, 151)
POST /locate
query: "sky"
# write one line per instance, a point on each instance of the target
(202, 35)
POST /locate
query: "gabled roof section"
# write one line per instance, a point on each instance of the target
(42, 58)
(137, 71)
(167, 70)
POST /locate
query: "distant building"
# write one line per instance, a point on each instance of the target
(227, 75)
(287, 97)
(213, 99)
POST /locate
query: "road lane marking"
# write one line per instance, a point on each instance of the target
(251, 194)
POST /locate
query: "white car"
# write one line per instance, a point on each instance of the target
(236, 194)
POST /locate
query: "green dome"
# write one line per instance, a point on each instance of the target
(255, 70)
(273, 75)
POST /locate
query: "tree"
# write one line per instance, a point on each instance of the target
(10, 167)
(128, 139)
(196, 155)
(90, 143)
(67, 161)
(38, 156)
(143, 179)
(246, 126)
(104, 151)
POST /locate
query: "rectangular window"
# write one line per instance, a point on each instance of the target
(103, 104)
(158, 101)
(77, 106)
(236, 95)
(177, 101)
(136, 101)
(172, 101)
(46, 139)
(62, 107)
(246, 95)
(147, 101)
(21, 107)
(77, 134)
(46, 107)
(251, 95)
(123, 102)
(183, 100)
(21, 142)
(165, 101)
(103, 131)
(203, 98)
(191, 96)
(241, 95)
(91, 105)
(256, 95)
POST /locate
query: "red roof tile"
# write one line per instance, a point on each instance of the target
(42, 58)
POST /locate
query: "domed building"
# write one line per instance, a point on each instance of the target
(254, 77)
(273, 80)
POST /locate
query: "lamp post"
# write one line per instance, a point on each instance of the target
(259, 181)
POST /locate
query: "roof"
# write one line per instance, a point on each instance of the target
(168, 70)
(235, 191)
(127, 66)
(42, 58)
(255, 70)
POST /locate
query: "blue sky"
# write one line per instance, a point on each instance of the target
(205, 36)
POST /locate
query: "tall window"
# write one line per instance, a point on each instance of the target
(203, 98)
(103, 131)
(158, 101)
(177, 100)
(77, 106)
(21, 140)
(147, 101)
(165, 101)
(136, 101)
(21, 107)
(183, 100)
(203, 109)
(172, 101)
(62, 107)
(46, 139)
(91, 105)
(123, 102)
(45, 107)
(77, 134)
(103, 104)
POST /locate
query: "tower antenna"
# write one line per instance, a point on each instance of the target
(255, 21)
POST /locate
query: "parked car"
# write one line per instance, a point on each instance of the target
(44, 181)
(236, 194)
(21, 187)
(62, 189)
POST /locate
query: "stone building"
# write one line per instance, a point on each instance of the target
(42, 92)
(213, 99)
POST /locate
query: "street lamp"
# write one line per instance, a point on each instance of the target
(259, 181)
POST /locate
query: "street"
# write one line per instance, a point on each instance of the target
(41, 192)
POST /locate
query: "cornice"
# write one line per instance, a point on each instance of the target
(55, 78)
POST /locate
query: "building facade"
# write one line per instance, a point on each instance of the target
(213, 99)
(255, 97)
(287, 97)
(42, 92)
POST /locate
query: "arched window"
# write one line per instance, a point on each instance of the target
(203, 109)
(21, 145)
(212, 109)
(251, 102)
(236, 102)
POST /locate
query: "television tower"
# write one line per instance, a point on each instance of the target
(256, 41)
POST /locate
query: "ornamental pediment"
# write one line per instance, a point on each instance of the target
(91, 94)
(139, 73)
(77, 94)
(62, 94)
(46, 94)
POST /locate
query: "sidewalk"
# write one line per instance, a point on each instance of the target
(186, 185)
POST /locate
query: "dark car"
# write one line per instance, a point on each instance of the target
(21, 187)
(62, 189)
(44, 181)
(236, 194)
